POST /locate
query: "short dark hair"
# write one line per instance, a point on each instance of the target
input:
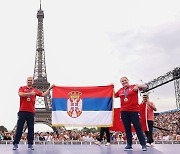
(145, 95)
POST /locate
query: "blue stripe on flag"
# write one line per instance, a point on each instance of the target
(59, 104)
(89, 104)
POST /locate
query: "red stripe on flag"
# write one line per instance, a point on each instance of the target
(87, 92)
(143, 115)
(118, 124)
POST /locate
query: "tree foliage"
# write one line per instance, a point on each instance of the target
(3, 129)
(90, 130)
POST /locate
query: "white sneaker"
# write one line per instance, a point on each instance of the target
(15, 146)
(148, 144)
(152, 144)
(30, 146)
(107, 144)
(144, 148)
(97, 143)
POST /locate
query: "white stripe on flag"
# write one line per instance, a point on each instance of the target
(91, 118)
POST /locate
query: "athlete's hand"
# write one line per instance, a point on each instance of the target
(53, 85)
(32, 93)
(136, 88)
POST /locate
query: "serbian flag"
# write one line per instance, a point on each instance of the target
(118, 124)
(82, 106)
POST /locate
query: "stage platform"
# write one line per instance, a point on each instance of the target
(89, 149)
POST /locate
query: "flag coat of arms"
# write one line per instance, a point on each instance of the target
(82, 106)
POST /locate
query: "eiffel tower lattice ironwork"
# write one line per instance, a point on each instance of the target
(43, 105)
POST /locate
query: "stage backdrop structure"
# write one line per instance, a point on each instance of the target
(173, 75)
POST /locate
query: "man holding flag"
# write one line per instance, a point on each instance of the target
(26, 112)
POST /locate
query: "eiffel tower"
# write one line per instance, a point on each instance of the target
(43, 105)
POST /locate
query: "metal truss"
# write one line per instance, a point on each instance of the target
(173, 75)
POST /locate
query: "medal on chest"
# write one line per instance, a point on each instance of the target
(28, 97)
(125, 94)
(125, 99)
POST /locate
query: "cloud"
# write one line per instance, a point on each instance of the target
(147, 53)
(157, 48)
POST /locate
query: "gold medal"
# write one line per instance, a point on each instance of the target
(28, 99)
(125, 99)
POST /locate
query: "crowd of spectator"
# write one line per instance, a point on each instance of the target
(166, 128)
(169, 121)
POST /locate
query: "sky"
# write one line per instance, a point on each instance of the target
(89, 43)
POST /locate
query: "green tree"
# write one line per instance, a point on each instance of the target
(3, 129)
(89, 130)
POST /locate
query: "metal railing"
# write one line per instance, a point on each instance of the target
(74, 142)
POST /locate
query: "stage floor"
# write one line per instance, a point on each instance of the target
(89, 149)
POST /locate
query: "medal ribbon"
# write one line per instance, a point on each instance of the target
(126, 92)
(28, 91)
